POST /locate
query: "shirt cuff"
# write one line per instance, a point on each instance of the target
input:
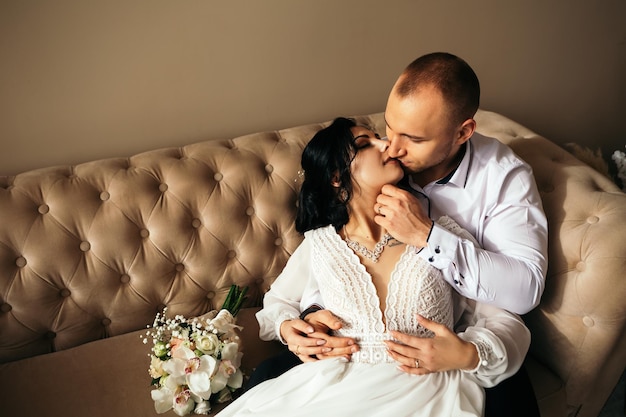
(279, 321)
(440, 247)
(485, 355)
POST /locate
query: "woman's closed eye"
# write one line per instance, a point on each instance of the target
(364, 141)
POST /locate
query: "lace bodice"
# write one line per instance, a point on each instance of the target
(348, 291)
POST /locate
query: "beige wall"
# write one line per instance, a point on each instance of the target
(81, 80)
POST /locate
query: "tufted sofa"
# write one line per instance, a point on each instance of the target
(90, 253)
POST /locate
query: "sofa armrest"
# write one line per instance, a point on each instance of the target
(578, 330)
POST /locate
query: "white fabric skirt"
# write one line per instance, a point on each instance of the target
(333, 387)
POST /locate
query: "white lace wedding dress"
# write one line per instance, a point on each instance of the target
(370, 384)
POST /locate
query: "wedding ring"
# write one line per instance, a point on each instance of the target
(417, 363)
(297, 349)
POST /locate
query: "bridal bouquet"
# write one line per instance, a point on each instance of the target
(195, 362)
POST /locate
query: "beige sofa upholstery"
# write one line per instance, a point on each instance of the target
(90, 253)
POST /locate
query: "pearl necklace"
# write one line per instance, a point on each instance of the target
(372, 255)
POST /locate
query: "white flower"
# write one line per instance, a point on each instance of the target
(185, 368)
(203, 407)
(156, 367)
(619, 158)
(183, 403)
(236, 379)
(208, 343)
(163, 399)
(230, 352)
(226, 375)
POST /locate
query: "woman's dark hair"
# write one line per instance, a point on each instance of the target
(327, 185)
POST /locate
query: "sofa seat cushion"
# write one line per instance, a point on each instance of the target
(108, 377)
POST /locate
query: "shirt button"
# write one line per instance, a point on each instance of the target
(431, 259)
(437, 249)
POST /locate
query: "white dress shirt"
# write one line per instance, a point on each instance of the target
(493, 195)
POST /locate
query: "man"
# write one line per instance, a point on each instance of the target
(477, 181)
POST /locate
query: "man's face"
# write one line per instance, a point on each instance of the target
(420, 133)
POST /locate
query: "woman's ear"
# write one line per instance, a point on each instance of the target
(335, 182)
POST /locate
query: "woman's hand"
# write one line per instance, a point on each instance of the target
(423, 355)
(310, 340)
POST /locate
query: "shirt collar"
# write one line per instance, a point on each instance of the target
(458, 176)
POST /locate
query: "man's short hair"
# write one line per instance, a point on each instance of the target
(449, 74)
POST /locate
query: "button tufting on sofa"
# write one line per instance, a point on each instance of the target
(593, 219)
(588, 321)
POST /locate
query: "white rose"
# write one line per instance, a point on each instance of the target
(207, 344)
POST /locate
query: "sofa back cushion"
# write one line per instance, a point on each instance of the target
(95, 250)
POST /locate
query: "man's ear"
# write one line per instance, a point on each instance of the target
(466, 131)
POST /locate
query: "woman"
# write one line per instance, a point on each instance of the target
(351, 266)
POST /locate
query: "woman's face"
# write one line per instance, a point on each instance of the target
(372, 168)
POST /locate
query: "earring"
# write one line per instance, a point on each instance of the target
(343, 195)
